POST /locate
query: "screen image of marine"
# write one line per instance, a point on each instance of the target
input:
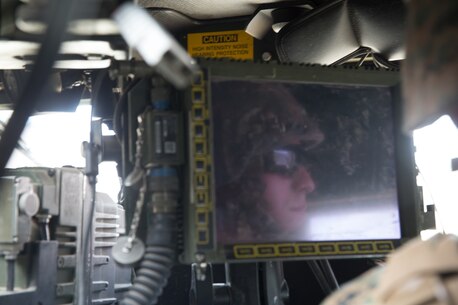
(303, 162)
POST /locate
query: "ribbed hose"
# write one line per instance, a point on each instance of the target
(156, 265)
(151, 277)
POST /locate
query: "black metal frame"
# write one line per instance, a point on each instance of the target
(407, 192)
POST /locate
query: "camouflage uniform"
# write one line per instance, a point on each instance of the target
(421, 272)
(430, 71)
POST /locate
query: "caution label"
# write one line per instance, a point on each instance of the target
(227, 44)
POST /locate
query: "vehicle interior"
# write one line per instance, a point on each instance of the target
(117, 174)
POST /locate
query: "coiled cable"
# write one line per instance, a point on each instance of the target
(151, 277)
(155, 267)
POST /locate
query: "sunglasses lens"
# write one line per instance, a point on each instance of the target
(284, 159)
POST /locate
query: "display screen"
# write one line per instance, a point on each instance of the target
(302, 162)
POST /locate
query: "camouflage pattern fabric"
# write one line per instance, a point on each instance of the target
(420, 273)
(430, 71)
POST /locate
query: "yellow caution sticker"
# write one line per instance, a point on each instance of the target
(227, 44)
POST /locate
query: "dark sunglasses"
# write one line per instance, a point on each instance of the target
(284, 161)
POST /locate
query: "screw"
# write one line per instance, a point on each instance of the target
(60, 262)
(266, 56)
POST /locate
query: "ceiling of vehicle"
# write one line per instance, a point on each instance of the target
(212, 9)
(324, 33)
(313, 31)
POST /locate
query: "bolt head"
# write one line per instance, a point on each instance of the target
(266, 56)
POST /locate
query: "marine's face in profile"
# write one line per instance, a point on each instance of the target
(266, 133)
(286, 185)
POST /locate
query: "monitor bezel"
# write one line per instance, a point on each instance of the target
(409, 203)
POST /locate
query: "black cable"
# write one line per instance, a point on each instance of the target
(84, 283)
(47, 232)
(355, 54)
(318, 273)
(363, 58)
(44, 231)
(10, 275)
(60, 14)
(329, 274)
(96, 88)
(156, 265)
(84, 286)
(380, 60)
(119, 107)
(376, 64)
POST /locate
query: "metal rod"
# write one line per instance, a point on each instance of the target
(320, 277)
(329, 274)
(10, 275)
(227, 272)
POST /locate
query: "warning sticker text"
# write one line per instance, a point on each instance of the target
(228, 44)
